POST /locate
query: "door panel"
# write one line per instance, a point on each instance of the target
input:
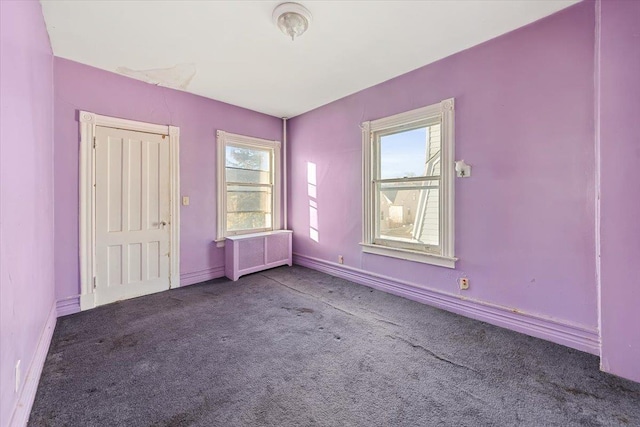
(132, 214)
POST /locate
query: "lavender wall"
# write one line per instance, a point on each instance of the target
(525, 220)
(80, 87)
(26, 192)
(620, 186)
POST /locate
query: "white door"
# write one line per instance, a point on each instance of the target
(132, 213)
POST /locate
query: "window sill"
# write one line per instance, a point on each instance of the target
(409, 255)
(220, 242)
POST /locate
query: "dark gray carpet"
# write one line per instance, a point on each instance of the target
(294, 347)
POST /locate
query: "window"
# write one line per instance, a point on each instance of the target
(408, 177)
(248, 185)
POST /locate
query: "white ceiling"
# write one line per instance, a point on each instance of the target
(239, 56)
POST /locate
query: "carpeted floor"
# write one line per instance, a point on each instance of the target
(294, 347)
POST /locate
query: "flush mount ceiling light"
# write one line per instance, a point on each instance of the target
(293, 19)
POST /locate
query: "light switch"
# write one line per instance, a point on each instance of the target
(185, 200)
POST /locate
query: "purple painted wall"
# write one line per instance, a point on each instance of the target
(525, 220)
(620, 186)
(80, 87)
(26, 192)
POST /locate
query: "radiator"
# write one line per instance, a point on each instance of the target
(249, 253)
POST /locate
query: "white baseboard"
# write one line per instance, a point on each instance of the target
(558, 331)
(27, 393)
(199, 276)
(68, 305)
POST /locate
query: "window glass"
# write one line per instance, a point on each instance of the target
(248, 207)
(250, 165)
(409, 208)
(249, 189)
(409, 212)
(410, 153)
(403, 154)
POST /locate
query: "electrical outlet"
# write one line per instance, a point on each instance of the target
(464, 283)
(185, 200)
(18, 376)
(340, 259)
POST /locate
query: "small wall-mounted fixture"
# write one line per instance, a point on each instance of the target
(293, 19)
(463, 170)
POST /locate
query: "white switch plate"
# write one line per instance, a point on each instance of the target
(185, 200)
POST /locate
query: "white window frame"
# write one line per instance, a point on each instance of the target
(443, 110)
(225, 138)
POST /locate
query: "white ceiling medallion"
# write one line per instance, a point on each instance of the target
(293, 19)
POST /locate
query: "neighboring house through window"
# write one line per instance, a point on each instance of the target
(408, 174)
(248, 184)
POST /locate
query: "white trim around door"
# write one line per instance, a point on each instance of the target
(88, 123)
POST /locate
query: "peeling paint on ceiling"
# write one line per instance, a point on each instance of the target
(176, 77)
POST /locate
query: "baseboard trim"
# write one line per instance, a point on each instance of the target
(71, 305)
(66, 306)
(561, 332)
(199, 276)
(27, 393)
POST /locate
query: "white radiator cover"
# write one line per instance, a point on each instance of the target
(248, 253)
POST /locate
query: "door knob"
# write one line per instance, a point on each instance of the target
(163, 223)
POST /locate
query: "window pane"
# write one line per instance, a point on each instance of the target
(248, 198)
(248, 176)
(410, 153)
(410, 212)
(248, 207)
(247, 158)
(241, 221)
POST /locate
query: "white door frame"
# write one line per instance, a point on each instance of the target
(88, 123)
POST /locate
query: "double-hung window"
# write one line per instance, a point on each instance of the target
(408, 174)
(248, 185)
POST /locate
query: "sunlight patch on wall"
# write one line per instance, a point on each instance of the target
(313, 221)
(312, 191)
(311, 180)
